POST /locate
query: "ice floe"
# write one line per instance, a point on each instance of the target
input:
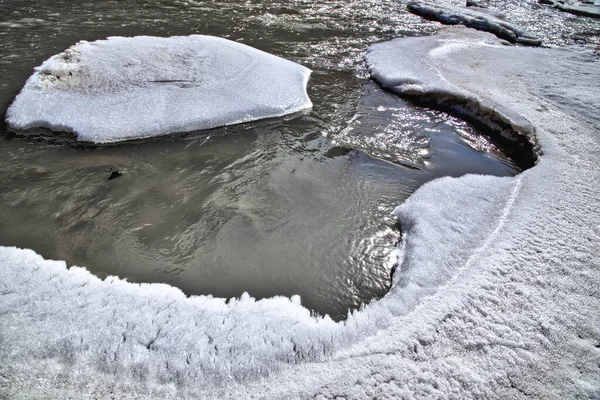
(130, 88)
(592, 9)
(474, 17)
(496, 294)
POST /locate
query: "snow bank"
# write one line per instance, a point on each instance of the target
(473, 17)
(121, 332)
(497, 293)
(130, 88)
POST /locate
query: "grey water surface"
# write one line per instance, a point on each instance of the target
(287, 206)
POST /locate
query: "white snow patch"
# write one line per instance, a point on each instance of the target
(131, 88)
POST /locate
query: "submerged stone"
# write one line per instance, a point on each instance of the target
(474, 17)
(131, 88)
(114, 174)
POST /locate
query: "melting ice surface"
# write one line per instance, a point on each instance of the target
(130, 88)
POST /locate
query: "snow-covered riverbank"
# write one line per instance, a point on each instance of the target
(497, 293)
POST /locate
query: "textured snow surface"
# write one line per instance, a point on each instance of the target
(131, 88)
(496, 296)
(473, 17)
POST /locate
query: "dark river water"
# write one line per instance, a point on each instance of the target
(287, 206)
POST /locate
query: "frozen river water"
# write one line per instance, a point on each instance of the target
(294, 206)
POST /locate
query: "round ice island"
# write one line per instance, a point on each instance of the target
(140, 87)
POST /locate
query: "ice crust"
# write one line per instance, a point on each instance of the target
(496, 295)
(474, 17)
(131, 88)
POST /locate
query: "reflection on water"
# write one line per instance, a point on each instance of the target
(296, 206)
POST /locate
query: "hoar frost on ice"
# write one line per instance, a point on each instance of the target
(131, 88)
(496, 296)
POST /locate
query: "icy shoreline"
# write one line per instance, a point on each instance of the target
(497, 294)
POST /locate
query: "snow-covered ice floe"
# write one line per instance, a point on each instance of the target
(131, 88)
(497, 293)
(474, 17)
